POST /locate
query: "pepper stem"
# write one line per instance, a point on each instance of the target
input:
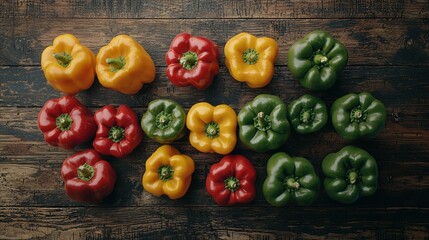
(85, 172)
(116, 64)
(306, 115)
(358, 114)
(250, 56)
(352, 176)
(189, 60)
(262, 122)
(212, 130)
(63, 58)
(116, 134)
(291, 183)
(232, 184)
(319, 59)
(165, 172)
(64, 122)
(163, 120)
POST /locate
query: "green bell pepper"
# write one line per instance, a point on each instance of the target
(164, 121)
(357, 116)
(290, 179)
(307, 114)
(263, 124)
(349, 173)
(317, 60)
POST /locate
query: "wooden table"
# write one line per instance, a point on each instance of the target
(388, 44)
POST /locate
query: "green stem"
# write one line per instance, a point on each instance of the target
(232, 184)
(116, 64)
(352, 176)
(262, 122)
(306, 115)
(85, 172)
(64, 122)
(163, 120)
(291, 183)
(189, 60)
(212, 130)
(320, 59)
(63, 58)
(250, 56)
(358, 114)
(165, 172)
(116, 134)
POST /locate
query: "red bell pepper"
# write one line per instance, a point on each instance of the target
(118, 131)
(87, 177)
(192, 61)
(232, 180)
(66, 123)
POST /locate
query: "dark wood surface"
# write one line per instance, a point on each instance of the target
(388, 44)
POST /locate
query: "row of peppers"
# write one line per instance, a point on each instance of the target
(124, 65)
(263, 125)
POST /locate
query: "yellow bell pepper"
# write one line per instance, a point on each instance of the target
(68, 66)
(168, 172)
(124, 65)
(212, 128)
(250, 59)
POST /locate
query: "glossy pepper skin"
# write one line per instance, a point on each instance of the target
(192, 60)
(164, 121)
(250, 59)
(232, 180)
(87, 177)
(263, 123)
(124, 65)
(290, 180)
(307, 114)
(317, 60)
(349, 174)
(212, 128)
(66, 123)
(69, 67)
(118, 131)
(168, 172)
(358, 116)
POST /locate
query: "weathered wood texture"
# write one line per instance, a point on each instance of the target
(388, 44)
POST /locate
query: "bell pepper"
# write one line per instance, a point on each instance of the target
(263, 124)
(317, 60)
(164, 121)
(250, 59)
(69, 67)
(192, 61)
(118, 131)
(212, 128)
(87, 177)
(290, 180)
(124, 65)
(356, 116)
(66, 123)
(168, 172)
(349, 174)
(307, 114)
(232, 180)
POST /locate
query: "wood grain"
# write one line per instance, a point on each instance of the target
(369, 41)
(211, 223)
(388, 45)
(214, 9)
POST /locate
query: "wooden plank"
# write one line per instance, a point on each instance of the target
(215, 9)
(403, 89)
(212, 223)
(369, 41)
